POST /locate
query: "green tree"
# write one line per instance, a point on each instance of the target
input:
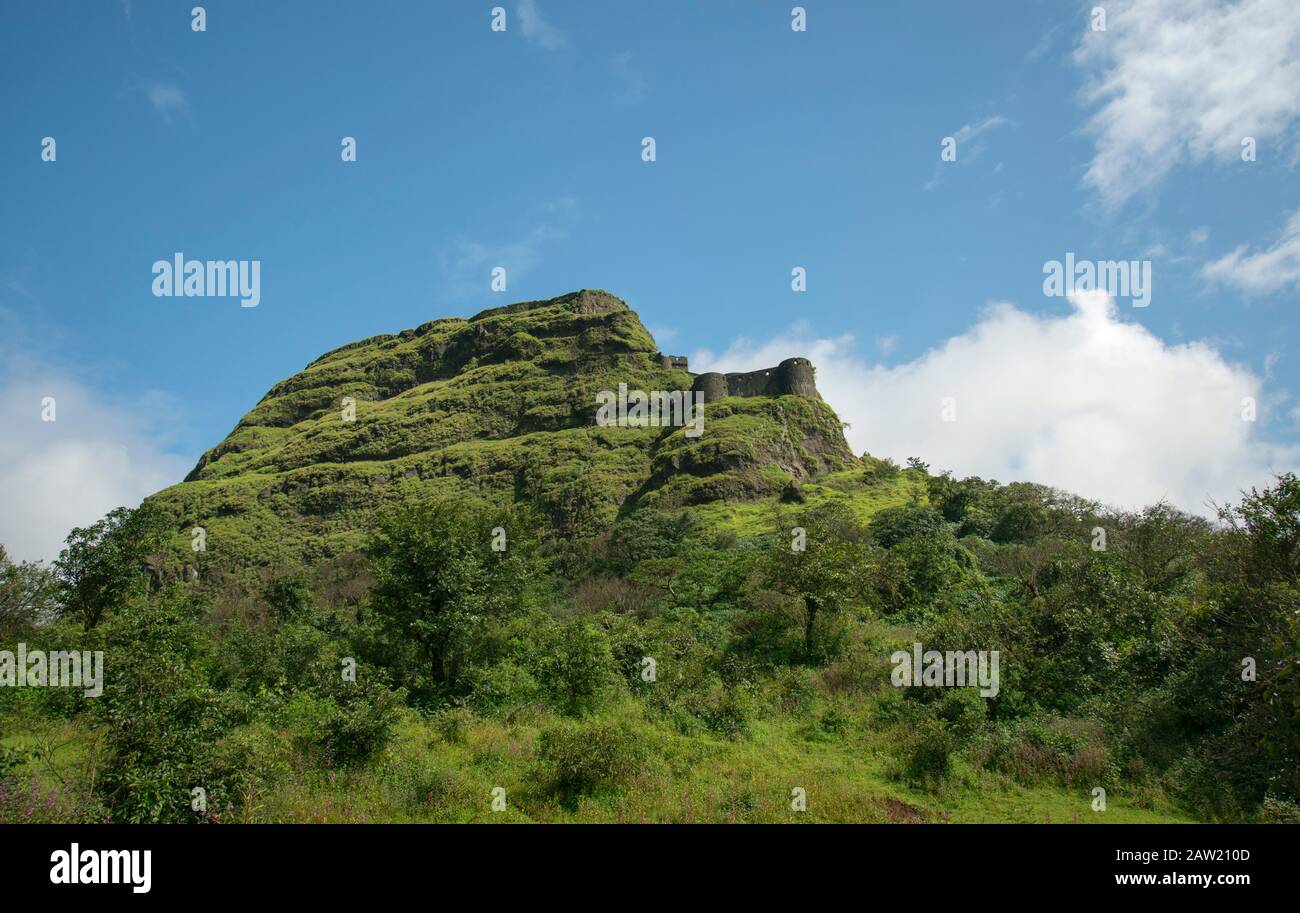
(439, 578)
(102, 564)
(27, 593)
(827, 573)
(1162, 543)
(579, 665)
(1255, 576)
(290, 598)
(162, 716)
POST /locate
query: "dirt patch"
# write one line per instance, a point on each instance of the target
(901, 813)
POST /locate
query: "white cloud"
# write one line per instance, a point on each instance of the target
(536, 29)
(968, 147)
(968, 132)
(1083, 402)
(1265, 271)
(467, 263)
(1045, 44)
(167, 99)
(99, 453)
(1180, 80)
(631, 84)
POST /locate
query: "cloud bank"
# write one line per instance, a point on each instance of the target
(1084, 402)
(1264, 271)
(1185, 81)
(98, 454)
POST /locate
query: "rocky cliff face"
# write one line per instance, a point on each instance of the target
(501, 405)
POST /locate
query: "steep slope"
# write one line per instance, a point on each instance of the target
(503, 405)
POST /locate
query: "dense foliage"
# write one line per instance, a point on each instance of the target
(680, 664)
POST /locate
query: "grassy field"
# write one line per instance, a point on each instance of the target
(444, 769)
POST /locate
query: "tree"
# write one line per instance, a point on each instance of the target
(439, 576)
(161, 714)
(290, 598)
(954, 498)
(579, 665)
(104, 563)
(894, 524)
(829, 572)
(876, 470)
(27, 593)
(1255, 575)
(1271, 519)
(1161, 543)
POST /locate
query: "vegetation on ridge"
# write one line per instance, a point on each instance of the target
(613, 624)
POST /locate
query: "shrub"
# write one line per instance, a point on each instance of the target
(163, 719)
(429, 786)
(500, 686)
(878, 470)
(795, 690)
(579, 758)
(247, 764)
(723, 710)
(453, 725)
(613, 594)
(1038, 749)
(359, 718)
(926, 753)
(579, 666)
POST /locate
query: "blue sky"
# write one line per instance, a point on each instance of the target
(775, 149)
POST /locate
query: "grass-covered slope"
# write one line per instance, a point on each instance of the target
(501, 405)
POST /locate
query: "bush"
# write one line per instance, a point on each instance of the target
(578, 667)
(613, 594)
(723, 710)
(926, 754)
(247, 764)
(453, 725)
(583, 757)
(1050, 749)
(795, 690)
(163, 718)
(358, 719)
(501, 686)
(27, 800)
(878, 470)
(429, 786)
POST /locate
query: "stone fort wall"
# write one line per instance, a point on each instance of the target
(792, 377)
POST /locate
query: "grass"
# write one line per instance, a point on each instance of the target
(758, 516)
(426, 776)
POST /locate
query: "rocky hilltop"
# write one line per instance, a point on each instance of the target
(501, 405)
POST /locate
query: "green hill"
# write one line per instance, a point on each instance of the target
(503, 405)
